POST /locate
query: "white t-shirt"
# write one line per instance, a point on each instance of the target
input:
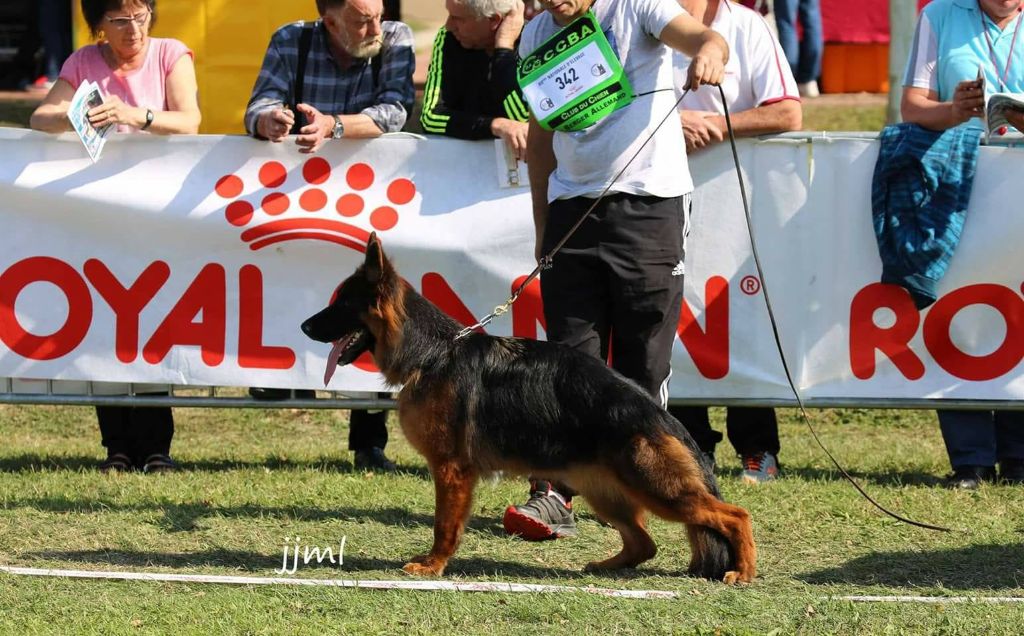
(588, 160)
(757, 72)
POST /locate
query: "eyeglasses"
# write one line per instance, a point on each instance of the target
(126, 22)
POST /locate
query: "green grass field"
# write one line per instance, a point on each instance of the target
(251, 478)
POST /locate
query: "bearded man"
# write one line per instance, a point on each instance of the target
(348, 74)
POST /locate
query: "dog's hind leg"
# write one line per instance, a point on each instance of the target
(630, 520)
(453, 494)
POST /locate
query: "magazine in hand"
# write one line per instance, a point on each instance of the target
(993, 115)
(87, 97)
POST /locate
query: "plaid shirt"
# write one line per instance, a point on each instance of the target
(331, 89)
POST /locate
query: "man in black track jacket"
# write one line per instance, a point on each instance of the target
(471, 90)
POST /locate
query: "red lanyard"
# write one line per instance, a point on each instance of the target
(991, 52)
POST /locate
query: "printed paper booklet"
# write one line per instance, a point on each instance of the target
(87, 97)
(993, 115)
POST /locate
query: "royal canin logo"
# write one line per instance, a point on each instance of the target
(314, 209)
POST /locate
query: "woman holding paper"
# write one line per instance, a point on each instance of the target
(955, 39)
(147, 83)
(957, 43)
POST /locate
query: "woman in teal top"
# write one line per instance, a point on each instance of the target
(954, 39)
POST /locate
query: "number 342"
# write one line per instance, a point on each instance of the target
(566, 78)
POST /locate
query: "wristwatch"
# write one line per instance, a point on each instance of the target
(339, 128)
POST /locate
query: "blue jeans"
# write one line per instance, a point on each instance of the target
(55, 30)
(804, 56)
(981, 438)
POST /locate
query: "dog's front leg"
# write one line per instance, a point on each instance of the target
(453, 493)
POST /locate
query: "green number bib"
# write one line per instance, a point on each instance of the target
(573, 80)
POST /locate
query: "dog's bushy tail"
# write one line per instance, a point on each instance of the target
(713, 552)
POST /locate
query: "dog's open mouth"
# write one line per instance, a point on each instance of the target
(345, 350)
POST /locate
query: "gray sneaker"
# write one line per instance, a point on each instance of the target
(545, 516)
(759, 468)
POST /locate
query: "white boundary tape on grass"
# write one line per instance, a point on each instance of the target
(930, 599)
(413, 585)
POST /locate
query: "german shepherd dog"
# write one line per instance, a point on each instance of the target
(481, 404)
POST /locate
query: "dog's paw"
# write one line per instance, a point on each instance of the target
(614, 563)
(419, 558)
(427, 567)
(733, 577)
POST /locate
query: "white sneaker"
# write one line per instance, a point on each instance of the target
(808, 89)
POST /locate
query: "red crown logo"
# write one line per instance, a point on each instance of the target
(316, 223)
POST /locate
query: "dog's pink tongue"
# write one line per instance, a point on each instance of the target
(332, 359)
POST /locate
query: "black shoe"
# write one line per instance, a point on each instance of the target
(116, 463)
(970, 477)
(1011, 471)
(373, 458)
(545, 516)
(159, 463)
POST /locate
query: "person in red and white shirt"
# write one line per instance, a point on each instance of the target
(763, 99)
(759, 85)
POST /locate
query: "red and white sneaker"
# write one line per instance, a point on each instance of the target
(42, 83)
(759, 468)
(546, 515)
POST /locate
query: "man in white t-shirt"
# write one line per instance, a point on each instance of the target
(763, 99)
(759, 85)
(616, 285)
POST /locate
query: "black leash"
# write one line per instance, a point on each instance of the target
(778, 341)
(546, 260)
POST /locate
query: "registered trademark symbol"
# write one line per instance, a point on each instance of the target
(750, 285)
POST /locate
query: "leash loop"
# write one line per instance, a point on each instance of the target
(778, 339)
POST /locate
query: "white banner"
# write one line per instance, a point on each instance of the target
(193, 261)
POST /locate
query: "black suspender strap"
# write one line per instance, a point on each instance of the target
(305, 43)
(375, 63)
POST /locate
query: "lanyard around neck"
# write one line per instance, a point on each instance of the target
(1002, 78)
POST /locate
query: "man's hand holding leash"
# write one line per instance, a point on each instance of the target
(708, 67)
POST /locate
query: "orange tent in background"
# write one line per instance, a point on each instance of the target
(856, 45)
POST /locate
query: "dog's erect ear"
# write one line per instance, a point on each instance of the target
(374, 263)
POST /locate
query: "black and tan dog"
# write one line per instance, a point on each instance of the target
(481, 404)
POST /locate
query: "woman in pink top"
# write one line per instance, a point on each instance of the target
(148, 83)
